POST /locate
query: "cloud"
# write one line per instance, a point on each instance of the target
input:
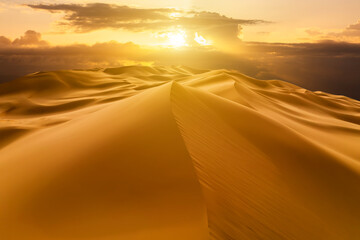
(4, 41)
(326, 48)
(263, 33)
(95, 16)
(327, 66)
(354, 27)
(351, 33)
(30, 38)
(17, 58)
(223, 31)
(313, 32)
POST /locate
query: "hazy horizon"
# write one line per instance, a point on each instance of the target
(309, 43)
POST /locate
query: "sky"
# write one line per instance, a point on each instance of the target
(312, 43)
(295, 21)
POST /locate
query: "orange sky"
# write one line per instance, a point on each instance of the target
(298, 21)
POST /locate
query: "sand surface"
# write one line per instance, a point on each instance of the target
(175, 153)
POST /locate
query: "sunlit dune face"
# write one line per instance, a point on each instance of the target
(201, 40)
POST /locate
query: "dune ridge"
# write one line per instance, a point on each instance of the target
(173, 153)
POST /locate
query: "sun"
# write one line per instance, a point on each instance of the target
(176, 39)
(179, 38)
(173, 39)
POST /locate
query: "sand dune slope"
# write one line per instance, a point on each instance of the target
(176, 153)
(120, 173)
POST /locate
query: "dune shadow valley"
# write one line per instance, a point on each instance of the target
(174, 153)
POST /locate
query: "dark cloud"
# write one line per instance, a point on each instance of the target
(222, 30)
(95, 16)
(18, 61)
(212, 19)
(326, 66)
(324, 48)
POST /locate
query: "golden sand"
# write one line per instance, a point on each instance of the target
(175, 153)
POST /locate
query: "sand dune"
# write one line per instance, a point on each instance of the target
(175, 153)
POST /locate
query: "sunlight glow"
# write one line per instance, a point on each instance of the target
(201, 40)
(176, 39)
(175, 15)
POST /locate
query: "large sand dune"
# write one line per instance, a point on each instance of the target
(175, 153)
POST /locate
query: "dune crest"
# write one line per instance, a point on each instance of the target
(175, 153)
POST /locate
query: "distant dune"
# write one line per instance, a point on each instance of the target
(171, 153)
